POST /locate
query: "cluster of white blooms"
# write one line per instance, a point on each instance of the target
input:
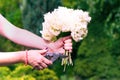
(65, 19)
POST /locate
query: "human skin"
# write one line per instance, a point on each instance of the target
(34, 59)
(26, 38)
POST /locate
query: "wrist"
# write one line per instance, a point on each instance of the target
(22, 56)
(45, 44)
(26, 57)
(50, 48)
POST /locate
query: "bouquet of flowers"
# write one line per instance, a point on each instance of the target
(63, 20)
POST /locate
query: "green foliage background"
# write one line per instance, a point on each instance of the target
(97, 57)
(10, 9)
(32, 13)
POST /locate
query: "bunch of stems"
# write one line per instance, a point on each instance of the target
(67, 60)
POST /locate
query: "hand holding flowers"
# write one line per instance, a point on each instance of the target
(64, 20)
(62, 44)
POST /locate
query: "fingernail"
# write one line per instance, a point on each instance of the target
(46, 49)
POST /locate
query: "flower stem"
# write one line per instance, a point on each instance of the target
(67, 61)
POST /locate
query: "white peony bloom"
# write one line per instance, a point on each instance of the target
(78, 33)
(64, 19)
(46, 35)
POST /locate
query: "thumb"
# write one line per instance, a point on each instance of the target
(42, 52)
(65, 38)
(61, 40)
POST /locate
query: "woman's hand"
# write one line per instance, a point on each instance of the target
(61, 45)
(35, 59)
(68, 45)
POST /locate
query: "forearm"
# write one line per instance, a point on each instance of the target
(20, 36)
(23, 37)
(7, 58)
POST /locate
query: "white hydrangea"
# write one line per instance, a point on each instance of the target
(78, 33)
(64, 19)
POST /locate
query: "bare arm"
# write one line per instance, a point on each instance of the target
(20, 36)
(26, 38)
(33, 58)
(7, 58)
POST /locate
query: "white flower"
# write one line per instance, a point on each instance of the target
(46, 33)
(65, 19)
(53, 23)
(62, 20)
(78, 33)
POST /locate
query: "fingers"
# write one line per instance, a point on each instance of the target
(66, 38)
(46, 61)
(37, 67)
(61, 41)
(42, 52)
(68, 45)
(63, 44)
(68, 41)
(38, 61)
(61, 50)
(42, 64)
